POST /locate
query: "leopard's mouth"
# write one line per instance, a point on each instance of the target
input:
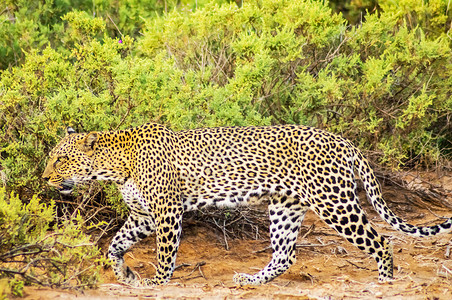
(66, 187)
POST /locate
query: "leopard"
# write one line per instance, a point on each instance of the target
(163, 173)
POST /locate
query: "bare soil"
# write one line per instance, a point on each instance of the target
(328, 267)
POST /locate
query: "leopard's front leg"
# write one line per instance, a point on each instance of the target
(135, 229)
(169, 228)
(159, 187)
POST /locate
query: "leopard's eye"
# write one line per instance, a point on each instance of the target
(59, 160)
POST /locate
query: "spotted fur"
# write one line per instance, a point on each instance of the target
(162, 173)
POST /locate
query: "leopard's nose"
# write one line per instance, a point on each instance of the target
(46, 178)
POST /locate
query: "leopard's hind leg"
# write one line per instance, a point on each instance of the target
(349, 220)
(285, 220)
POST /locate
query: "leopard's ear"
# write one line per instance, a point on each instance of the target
(70, 130)
(88, 143)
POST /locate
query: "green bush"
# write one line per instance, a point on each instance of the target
(37, 247)
(385, 83)
(27, 25)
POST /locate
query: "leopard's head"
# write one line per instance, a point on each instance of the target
(71, 161)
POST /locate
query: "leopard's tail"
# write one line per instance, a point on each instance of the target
(375, 197)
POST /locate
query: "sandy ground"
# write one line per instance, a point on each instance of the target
(327, 267)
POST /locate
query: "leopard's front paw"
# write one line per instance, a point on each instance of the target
(129, 277)
(385, 279)
(154, 281)
(147, 282)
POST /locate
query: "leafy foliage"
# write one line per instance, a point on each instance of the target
(385, 84)
(36, 248)
(27, 25)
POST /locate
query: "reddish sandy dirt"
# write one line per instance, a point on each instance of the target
(327, 267)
